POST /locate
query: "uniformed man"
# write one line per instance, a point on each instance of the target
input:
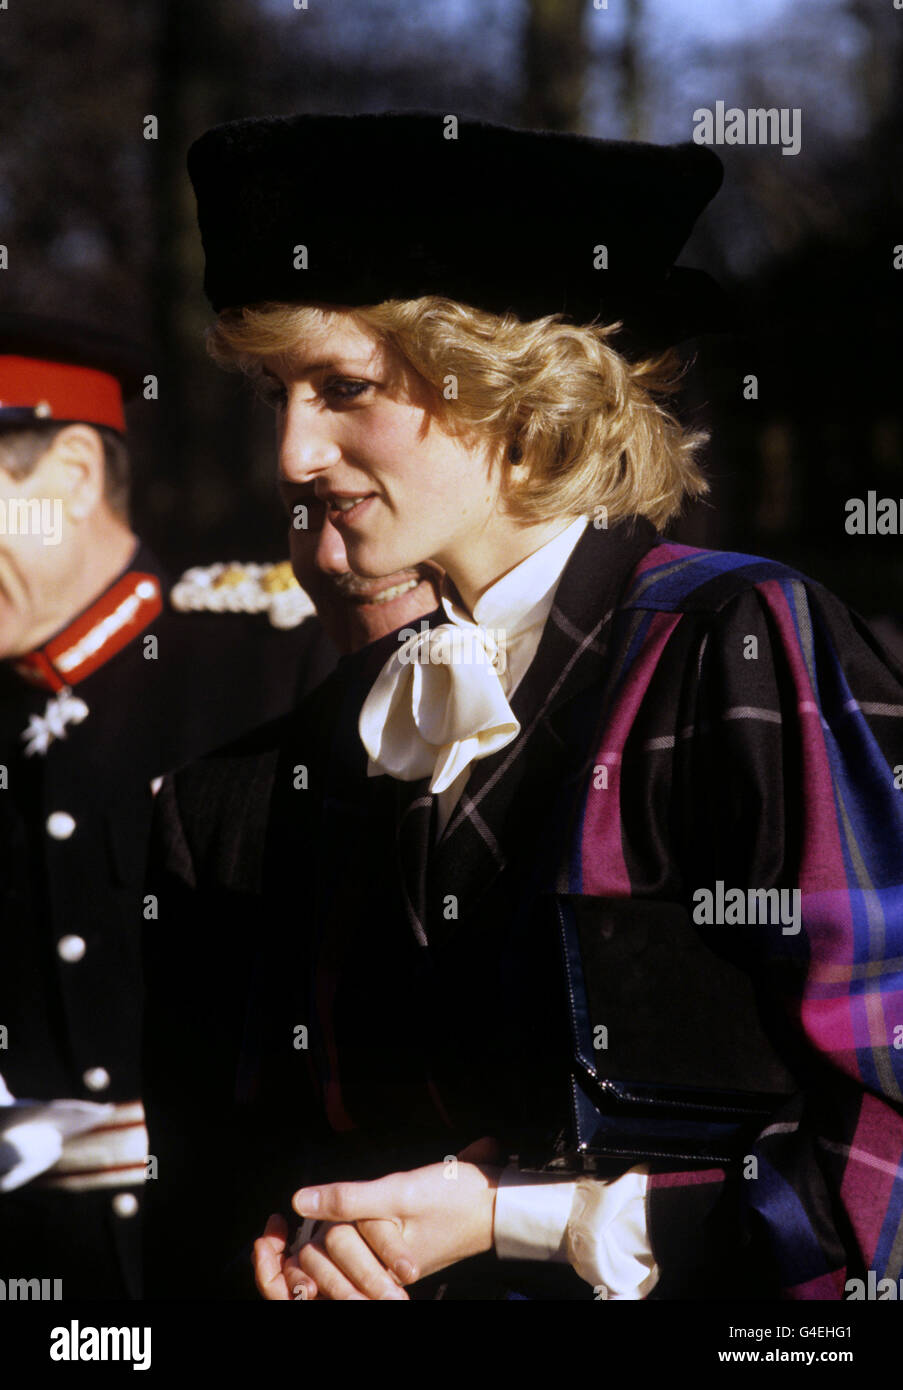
(104, 686)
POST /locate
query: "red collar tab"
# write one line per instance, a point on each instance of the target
(60, 391)
(95, 635)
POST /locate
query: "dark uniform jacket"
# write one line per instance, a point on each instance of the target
(691, 719)
(74, 825)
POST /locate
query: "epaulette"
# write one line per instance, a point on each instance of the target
(244, 588)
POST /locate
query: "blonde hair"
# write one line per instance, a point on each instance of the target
(593, 427)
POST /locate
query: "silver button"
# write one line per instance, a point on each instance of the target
(125, 1204)
(96, 1078)
(60, 825)
(70, 948)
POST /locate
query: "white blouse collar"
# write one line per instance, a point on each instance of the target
(525, 593)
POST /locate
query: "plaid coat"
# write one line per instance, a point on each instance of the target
(690, 718)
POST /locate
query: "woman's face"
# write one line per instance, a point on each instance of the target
(358, 429)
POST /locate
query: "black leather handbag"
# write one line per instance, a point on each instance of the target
(669, 1059)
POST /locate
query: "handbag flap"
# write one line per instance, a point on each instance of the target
(657, 1017)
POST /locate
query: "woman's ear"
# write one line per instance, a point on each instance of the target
(77, 464)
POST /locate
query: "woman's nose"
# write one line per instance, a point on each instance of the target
(307, 446)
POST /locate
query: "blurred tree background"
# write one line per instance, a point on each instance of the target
(99, 222)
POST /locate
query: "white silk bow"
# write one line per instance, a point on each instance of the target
(438, 705)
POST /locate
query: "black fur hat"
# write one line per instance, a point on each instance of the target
(353, 210)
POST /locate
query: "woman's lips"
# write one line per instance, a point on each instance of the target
(345, 511)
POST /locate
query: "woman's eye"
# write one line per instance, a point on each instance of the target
(345, 388)
(337, 389)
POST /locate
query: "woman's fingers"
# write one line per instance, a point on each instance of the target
(381, 1198)
(269, 1250)
(301, 1288)
(341, 1263)
(343, 1266)
(390, 1248)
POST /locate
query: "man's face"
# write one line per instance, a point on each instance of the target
(37, 566)
(353, 611)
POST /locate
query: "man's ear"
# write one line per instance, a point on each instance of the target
(75, 460)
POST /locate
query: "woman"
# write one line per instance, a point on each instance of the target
(540, 811)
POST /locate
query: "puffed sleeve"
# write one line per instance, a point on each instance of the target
(789, 775)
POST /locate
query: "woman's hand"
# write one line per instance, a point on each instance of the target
(380, 1235)
(279, 1276)
(273, 1268)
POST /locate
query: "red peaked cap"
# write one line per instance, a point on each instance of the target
(388, 207)
(64, 373)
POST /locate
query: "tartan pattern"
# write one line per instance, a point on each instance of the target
(844, 1146)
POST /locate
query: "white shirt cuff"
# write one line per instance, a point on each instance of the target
(599, 1227)
(531, 1216)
